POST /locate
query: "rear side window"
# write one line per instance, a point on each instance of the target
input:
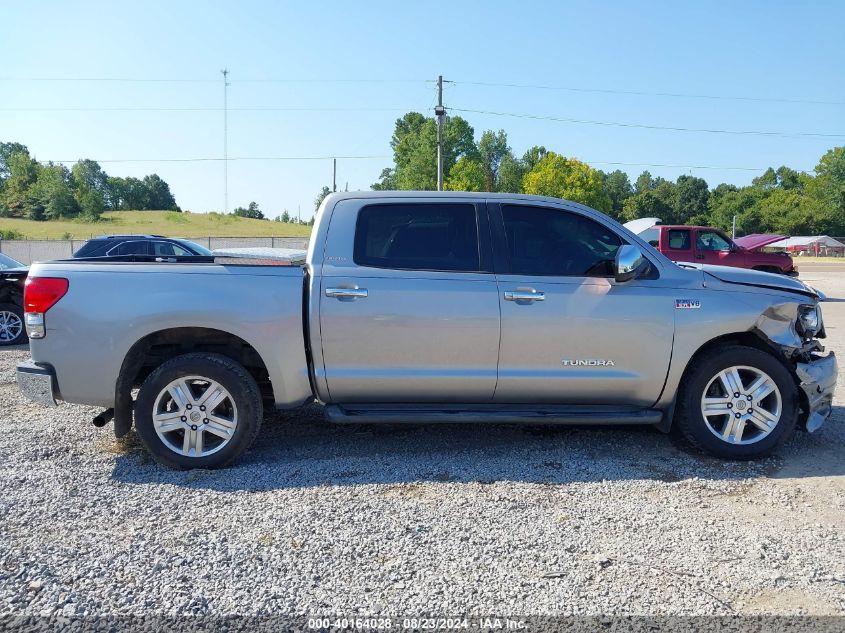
(94, 248)
(678, 240)
(418, 237)
(130, 248)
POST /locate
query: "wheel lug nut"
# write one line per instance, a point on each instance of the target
(730, 406)
(193, 427)
(205, 421)
(189, 407)
(736, 394)
(737, 415)
(202, 407)
(184, 418)
(750, 411)
(749, 398)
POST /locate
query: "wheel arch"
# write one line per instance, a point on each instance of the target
(155, 348)
(750, 338)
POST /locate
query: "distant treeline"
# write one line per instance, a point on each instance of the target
(780, 200)
(49, 191)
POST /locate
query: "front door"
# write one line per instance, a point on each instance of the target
(713, 247)
(570, 333)
(411, 312)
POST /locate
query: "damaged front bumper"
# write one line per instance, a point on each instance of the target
(818, 381)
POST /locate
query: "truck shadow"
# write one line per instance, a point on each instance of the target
(299, 449)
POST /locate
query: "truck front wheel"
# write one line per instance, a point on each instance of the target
(198, 411)
(737, 402)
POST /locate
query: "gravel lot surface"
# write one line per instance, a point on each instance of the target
(445, 520)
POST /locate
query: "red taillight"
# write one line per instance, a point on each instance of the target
(41, 293)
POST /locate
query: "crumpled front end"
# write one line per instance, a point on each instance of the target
(817, 378)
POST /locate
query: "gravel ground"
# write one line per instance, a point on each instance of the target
(441, 520)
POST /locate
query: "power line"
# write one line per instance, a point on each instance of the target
(204, 109)
(643, 93)
(644, 126)
(204, 80)
(220, 158)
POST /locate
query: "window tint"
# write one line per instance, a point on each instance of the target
(418, 237)
(679, 239)
(712, 241)
(168, 249)
(130, 248)
(544, 241)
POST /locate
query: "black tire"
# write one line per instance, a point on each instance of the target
(230, 375)
(17, 310)
(691, 422)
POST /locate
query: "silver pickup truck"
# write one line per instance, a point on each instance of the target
(432, 307)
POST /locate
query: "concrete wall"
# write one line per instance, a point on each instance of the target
(28, 251)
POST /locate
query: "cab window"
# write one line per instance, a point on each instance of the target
(420, 236)
(168, 249)
(547, 241)
(678, 239)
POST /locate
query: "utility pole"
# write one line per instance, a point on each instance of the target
(334, 174)
(225, 72)
(440, 112)
(733, 229)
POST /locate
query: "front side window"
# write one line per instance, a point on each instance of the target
(678, 239)
(168, 249)
(546, 241)
(418, 237)
(712, 241)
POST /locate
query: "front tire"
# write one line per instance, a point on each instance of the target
(198, 411)
(737, 402)
(12, 330)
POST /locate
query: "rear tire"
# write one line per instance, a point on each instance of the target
(12, 329)
(737, 402)
(198, 411)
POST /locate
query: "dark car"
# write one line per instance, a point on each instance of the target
(12, 277)
(155, 245)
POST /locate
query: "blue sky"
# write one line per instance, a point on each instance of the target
(764, 50)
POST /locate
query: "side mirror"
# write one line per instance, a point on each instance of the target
(629, 263)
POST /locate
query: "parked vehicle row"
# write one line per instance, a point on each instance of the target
(432, 307)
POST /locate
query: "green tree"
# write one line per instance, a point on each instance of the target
(468, 174)
(386, 181)
(567, 178)
(492, 148)
(644, 183)
(324, 192)
(52, 193)
(827, 190)
(690, 200)
(251, 211)
(23, 172)
(7, 150)
(285, 217)
(511, 173)
(533, 156)
(619, 188)
(158, 196)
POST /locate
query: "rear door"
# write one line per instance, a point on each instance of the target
(409, 308)
(570, 333)
(677, 245)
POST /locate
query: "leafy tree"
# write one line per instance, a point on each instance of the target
(158, 194)
(251, 211)
(285, 217)
(619, 188)
(827, 191)
(387, 180)
(468, 174)
(52, 194)
(492, 148)
(533, 156)
(562, 177)
(511, 173)
(87, 174)
(644, 183)
(690, 200)
(646, 204)
(23, 172)
(7, 150)
(325, 191)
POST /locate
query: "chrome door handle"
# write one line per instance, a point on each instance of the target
(521, 295)
(354, 293)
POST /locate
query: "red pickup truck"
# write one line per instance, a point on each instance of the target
(708, 245)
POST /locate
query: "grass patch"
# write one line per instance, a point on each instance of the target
(169, 223)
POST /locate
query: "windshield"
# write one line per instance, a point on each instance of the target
(199, 250)
(7, 262)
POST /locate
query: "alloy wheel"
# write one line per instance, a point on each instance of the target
(741, 405)
(11, 326)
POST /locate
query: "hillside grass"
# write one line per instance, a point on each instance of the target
(169, 223)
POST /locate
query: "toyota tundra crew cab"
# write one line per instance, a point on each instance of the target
(431, 307)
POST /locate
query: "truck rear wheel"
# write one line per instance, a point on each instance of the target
(738, 403)
(198, 411)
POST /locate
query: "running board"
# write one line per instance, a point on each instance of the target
(487, 414)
